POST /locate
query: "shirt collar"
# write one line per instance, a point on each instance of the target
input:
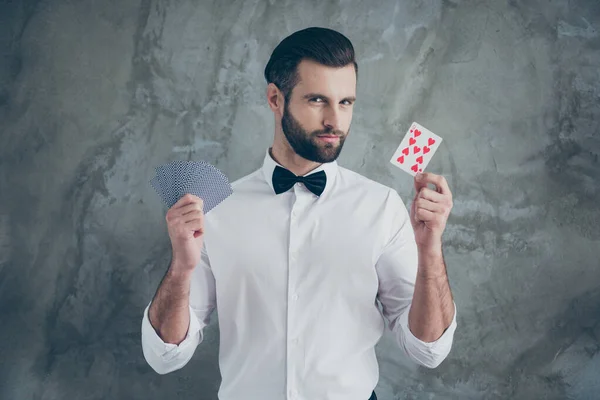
(330, 168)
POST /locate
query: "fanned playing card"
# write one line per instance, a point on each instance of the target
(164, 177)
(210, 184)
(175, 179)
(416, 149)
(156, 185)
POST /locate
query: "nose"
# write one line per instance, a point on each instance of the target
(331, 120)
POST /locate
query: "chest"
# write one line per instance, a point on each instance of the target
(304, 244)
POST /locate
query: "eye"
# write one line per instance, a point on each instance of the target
(348, 102)
(316, 98)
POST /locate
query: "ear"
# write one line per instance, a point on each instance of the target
(275, 99)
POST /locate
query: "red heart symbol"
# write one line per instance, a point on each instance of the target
(420, 159)
(417, 133)
(431, 141)
(401, 159)
(405, 151)
(415, 167)
(426, 149)
(411, 141)
(416, 149)
(420, 170)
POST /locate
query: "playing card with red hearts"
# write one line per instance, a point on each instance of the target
(416, 149)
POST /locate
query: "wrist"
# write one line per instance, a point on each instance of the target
(430, 251)
(179, 272)
(431, 263)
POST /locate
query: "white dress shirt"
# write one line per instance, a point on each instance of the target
(296, 278)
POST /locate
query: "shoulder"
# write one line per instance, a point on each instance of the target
(246, 181)
(366, 186)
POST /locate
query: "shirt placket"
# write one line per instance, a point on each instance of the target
(294, 260)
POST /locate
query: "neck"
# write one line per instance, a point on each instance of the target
(291, 161)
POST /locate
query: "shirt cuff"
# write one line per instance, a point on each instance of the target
(168, 351)
(429, 354)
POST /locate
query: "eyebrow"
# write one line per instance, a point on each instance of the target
(311, 95)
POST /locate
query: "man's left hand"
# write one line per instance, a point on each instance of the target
(429, 211)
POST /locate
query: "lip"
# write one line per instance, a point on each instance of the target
(329, 138)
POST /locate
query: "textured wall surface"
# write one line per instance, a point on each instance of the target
(95, 94)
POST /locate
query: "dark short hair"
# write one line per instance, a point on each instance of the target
(323, 45)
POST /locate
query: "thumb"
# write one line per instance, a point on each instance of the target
(413, 207)
(419, 185)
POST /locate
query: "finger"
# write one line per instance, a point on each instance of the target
(194, 224)
(177, 212)
(437, 180)
(195, 206)
(186, 199)
(418, 183)
(431, 195)
(424, 204)
(183, 210)
(193, 215)
(424, 215)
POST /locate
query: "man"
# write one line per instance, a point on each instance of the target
(301, 254)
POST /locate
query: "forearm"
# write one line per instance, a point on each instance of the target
(432, 308)
(169, 312)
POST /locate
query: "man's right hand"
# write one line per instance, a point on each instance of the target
(185, 222)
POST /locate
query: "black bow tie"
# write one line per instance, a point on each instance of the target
(283, 180)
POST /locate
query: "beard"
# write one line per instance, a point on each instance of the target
(307, 145)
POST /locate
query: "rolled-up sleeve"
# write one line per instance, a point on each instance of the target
(167, 357)
(397, 267)
(428, 354)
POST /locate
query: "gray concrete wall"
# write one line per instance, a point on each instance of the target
(94, 95)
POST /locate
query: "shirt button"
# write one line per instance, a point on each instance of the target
(295, 296)
(295, 341)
